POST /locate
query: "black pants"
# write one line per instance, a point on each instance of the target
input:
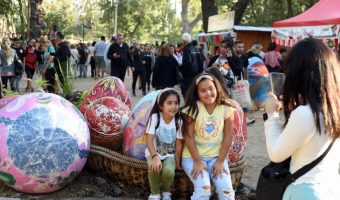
(5, 79)
(185, 85)
(63, 70)
(50, 78)
(142, 78)
(148, 74)
(93, 67)
(118, 72)
(29, 72)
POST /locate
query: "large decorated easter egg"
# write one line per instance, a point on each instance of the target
(8, 99)
(107, 87)
(258, 81)
(240, 135)
(44, 142)
(134, 142)
(107, 117)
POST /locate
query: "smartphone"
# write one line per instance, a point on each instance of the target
(276, 83)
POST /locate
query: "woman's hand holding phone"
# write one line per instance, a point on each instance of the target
(273, 104)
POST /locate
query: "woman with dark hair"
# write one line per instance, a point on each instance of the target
(272, 58)
(90, 49)
(150, 60)
(164, 71)
(175, 54)
(312, 122)
(138, 69)
(82, 61)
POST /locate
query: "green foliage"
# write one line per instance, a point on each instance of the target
(79, 101)
(69, 83)
(145, 20)
(10, 93)
(265, 12)
(148, 21)
(7, 7)
(60, 14)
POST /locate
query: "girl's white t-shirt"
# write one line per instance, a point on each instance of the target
(165, 136)
(225, 68)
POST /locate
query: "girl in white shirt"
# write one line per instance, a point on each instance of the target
(312, 120)
(164, 143)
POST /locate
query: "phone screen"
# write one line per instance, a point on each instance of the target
(276, 83)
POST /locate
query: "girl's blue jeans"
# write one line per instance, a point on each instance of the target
(202, 186)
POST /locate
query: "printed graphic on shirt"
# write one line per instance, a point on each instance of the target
(209, 132)
(165, 142)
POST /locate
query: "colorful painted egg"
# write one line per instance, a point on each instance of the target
(107, 87)
(107, 118)
(258, 81)
(44, 142)
(134, 143)
(240, 135)
(7, 99)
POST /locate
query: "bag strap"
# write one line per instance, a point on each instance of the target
(311, 165)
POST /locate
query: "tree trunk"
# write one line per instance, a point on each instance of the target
(186, 25)
(290, 8)
(209, 8)
(240, 7)
(23, 21)
(34, 26)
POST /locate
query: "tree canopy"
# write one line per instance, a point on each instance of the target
(145, 20)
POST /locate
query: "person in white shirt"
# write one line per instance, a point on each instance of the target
(312, 121)
(90, 58)
(74, 59)
(108, 61)
(99, 49)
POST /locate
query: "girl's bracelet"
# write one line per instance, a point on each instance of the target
(154, 155)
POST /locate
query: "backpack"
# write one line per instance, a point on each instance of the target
(18, 68)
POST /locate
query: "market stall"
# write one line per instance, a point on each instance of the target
(320, 21)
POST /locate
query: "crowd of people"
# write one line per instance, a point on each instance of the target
(152, 66)
(204, 123)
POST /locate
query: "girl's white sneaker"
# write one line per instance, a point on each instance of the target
(155, 197)
(166, 196)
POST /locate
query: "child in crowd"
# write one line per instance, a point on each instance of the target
(208, 117)
(164, 143)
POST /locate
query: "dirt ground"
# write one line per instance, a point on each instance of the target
(95, 186)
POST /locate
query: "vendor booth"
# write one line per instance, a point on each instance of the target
(320, 21)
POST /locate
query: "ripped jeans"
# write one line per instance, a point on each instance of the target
(224, 188)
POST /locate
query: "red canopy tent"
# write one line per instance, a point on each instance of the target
(320, 21)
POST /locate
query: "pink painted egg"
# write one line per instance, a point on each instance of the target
(44, 142)
(107, 117)
(7, 99)
(107, 87)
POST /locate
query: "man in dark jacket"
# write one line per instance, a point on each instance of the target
(120, 56)
(62, 56)
(192, 63)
